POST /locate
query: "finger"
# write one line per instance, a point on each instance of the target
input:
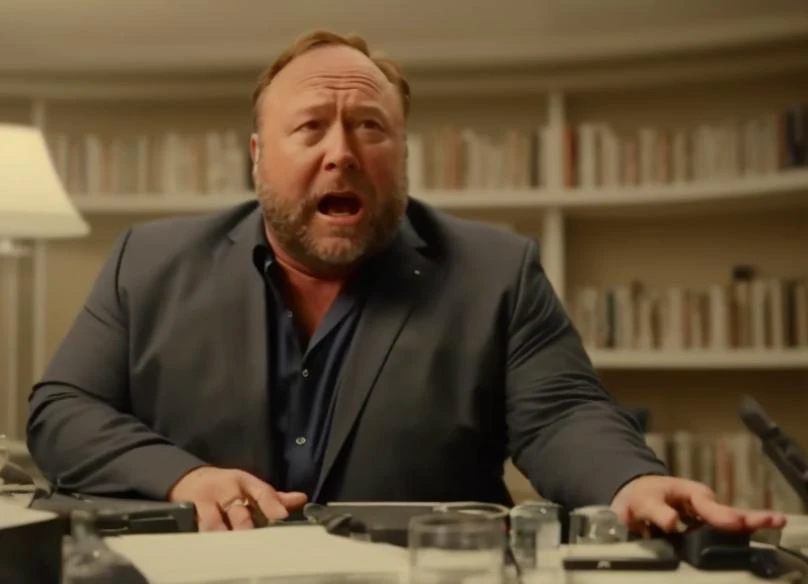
(716, 514)
(660, 514)
(755, 520)
(264, 496)
(238, 516)
(209, 517)
(292, 501)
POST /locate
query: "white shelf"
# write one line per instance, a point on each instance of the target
(156, 203)
(764, 185)
(700, 359)
(763, 189)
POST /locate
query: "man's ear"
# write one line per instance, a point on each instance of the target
(255, 147)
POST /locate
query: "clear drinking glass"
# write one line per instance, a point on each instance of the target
(489, 510)
(448, 547)
(86, 557)
(597, 524)
(534, 525)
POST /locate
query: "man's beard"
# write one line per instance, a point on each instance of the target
(290, 223)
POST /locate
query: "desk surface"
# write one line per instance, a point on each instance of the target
(300, 553)
(303, 554)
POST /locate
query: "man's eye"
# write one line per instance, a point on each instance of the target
(370, 125)
(311, 125)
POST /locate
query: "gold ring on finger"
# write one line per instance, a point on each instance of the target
(240, 502)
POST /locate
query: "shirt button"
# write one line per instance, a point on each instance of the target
(300, 440)
(305, 373)
(289, 314)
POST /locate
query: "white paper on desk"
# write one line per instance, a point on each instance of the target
(15, 515)
(274, 551)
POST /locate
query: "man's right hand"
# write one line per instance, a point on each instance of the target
(213, 491)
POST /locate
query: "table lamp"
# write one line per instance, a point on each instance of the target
(33, 206)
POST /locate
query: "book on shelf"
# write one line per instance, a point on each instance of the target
(211, 162)
(598, 155)
(731, 463)
(748, 312)
(452, 158)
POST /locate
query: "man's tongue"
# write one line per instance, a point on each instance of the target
(339, 205)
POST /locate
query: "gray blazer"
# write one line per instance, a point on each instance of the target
(463, 356)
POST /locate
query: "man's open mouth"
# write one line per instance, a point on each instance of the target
(345, 204)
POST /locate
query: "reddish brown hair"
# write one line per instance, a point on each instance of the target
(318, 38)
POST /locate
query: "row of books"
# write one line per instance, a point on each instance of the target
(732, 464)
(745, 313)
(599, 155)
(455, 158)
(589, 155)
(214, 162)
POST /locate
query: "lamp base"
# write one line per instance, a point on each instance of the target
(10, 254)
(12, 249)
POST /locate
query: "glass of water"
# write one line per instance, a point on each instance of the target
(448, 547)
(489, 510)
(596, 524)
(534, 525)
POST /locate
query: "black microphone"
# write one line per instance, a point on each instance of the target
(778, 446)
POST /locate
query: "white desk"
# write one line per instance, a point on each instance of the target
(292, 552)
(286, 553)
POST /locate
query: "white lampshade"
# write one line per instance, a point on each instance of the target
(33, 203)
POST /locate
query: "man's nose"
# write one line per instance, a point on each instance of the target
(339, 151)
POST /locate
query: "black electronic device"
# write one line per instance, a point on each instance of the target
(641, 564)
(708, 548)
(655, 555)
(113, 515)
(711, 549)
(378, 522)
(121, 516)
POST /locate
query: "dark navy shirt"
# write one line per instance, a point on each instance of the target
(303, 375)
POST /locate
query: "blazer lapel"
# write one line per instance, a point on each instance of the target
(243, 325)
(403, 276)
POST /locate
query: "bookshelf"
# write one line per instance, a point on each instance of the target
(739, 359)
(595, 230)
(776, 189)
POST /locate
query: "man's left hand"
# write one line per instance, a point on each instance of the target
(663, 500)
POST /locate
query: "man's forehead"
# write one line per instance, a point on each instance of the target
(330, 65)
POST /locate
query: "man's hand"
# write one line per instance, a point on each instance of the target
(662, 500)
(214, 491)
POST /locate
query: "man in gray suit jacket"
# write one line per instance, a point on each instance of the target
(337, 340)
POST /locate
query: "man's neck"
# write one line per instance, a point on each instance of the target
(308, 294)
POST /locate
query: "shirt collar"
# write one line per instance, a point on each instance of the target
(263, 254)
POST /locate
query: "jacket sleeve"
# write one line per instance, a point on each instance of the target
(566, 433)
(81, 432)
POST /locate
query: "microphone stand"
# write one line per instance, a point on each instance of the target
(778, 447)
